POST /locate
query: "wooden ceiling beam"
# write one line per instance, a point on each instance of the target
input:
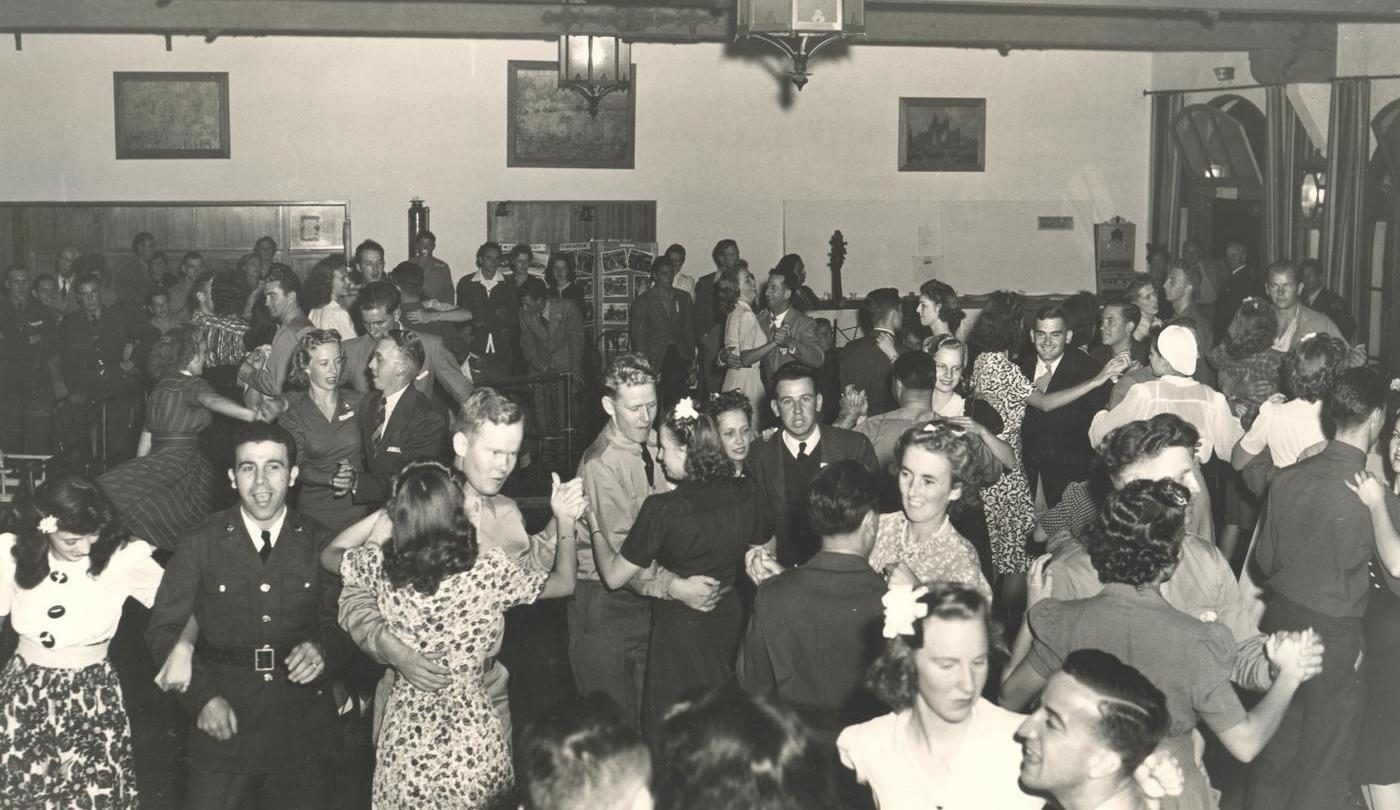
(885, 24)
(1324, 10)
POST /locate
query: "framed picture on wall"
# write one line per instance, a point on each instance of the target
(171, 115)
(550, 128)
(942, 134)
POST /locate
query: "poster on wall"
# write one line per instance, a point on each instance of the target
(1113, 255)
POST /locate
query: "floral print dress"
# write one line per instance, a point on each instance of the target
(445, 749)
(1010, 510)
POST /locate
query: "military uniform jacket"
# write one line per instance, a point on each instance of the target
(242, 603)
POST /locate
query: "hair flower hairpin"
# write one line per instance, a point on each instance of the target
(685, 409)
(902, 609)
(48, 524)
(1395, 384)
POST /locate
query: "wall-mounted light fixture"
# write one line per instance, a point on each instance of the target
(594, 66)
(1312, 193)
(799, 28)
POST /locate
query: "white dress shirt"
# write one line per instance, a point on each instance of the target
(811, 441)
(255, 531)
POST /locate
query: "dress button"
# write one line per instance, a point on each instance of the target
(267, 676)
(223, 588)
(264, 587)
(58, 576)
(306, 585)
(266, 618)
(46, 638)
(56, 612)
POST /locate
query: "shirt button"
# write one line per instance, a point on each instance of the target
(266, 618)
(223, 588)
(267, 676)
(264, 587)
(306, 585)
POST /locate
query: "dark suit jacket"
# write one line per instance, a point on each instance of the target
(495, 318)
(868, 369)
(417, 431)
(557, 346)
(656, 326)
(765, 464)
(705, 316)
(1055, 445)
(90, 355)
(438, 366)
(241, 603)
(1241, 284)
(1332, 305)
(807, 346)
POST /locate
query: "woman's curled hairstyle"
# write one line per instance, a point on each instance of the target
(297, 378)
(1137, 535)
(705, 460)
(432, 539)
(80, 507)
(971, 470)
(1253, 329)
(893, 676)
(174, 351)
(732, 749)
(1310, 369)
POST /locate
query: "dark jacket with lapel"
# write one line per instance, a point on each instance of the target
(417, 430)
(1055, 445)
(656, 326)
(808, 343)
(439, 366)
(868, 369)
(241, 603)
(765, 464)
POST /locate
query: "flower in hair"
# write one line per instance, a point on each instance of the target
(1395, 384)
(902, 609)
(48, 524)
(685, 409)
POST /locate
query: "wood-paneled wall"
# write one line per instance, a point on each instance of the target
(543, 221)
(306, 232)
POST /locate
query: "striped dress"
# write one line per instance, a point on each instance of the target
(169, 490)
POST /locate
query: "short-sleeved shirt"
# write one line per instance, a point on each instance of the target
(1188, 659)
(698, 529)
(1286, 430)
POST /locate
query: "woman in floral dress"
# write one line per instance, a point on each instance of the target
(997, 381)
(445, 749)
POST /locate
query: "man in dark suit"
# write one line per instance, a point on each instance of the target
(264, 716)
(784, 464)
(1244, 281)
(663, 331)
(865, 361)
(1318, 297)
(709, 326)
(398, 424)
(816, 628)
(793, 332)
(495, 309)
(1069, 390)
(378, 303)
(99, 348)
(28, 360)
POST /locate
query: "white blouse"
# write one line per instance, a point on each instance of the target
(333, 316)
(70, 616)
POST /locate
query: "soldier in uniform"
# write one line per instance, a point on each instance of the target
(267, 640)
(28, 334)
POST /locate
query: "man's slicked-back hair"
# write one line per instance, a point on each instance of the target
(1359, 392)
(286, 278)
(627, 369)
(368, 244)
(1132, 711)
(840, 497)
(793, 370)
(914, 370)
(582, 756)
(255, 432)
(485, 246)
(409, 344)
(1144, 439)
(486, 404)
(676, 248)
(407, 276)
(720, 247)
(379, 295)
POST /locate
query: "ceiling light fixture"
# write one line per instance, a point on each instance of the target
(594, 66)
(799, 28)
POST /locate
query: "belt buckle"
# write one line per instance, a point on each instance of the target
(264, 659)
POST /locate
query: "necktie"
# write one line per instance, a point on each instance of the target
(265, 550)
(801, 450)
(379, 413)
(650, 466)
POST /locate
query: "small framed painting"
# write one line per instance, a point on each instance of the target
(171, 115)
(547, 127)
(942, 134)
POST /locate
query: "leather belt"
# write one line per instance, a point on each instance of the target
(262, 659)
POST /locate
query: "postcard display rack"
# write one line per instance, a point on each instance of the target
(612, 274)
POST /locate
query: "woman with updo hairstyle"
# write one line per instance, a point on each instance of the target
(737, 295)
(734, 750)
(703, 527)
(943, 745)
(938, 310)
(320, 416)
(733, 416)
(1135, 545)
(446, 597)
(169, 487)
(936, 467)
(1246, 360)
(64, 733)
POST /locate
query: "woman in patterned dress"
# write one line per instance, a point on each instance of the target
(997, 381)
(320, 416)
(937, 466)
(743, 335)
(65, 740)
(169, 487)
(447, 749)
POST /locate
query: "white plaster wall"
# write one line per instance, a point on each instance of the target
(380, 121)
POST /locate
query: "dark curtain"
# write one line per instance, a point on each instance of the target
(1283, 141)
(1344, 254)
(1165, 215)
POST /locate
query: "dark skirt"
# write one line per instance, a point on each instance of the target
(162, 495)
(1378, 755)
(689, 652)
(64, 738)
